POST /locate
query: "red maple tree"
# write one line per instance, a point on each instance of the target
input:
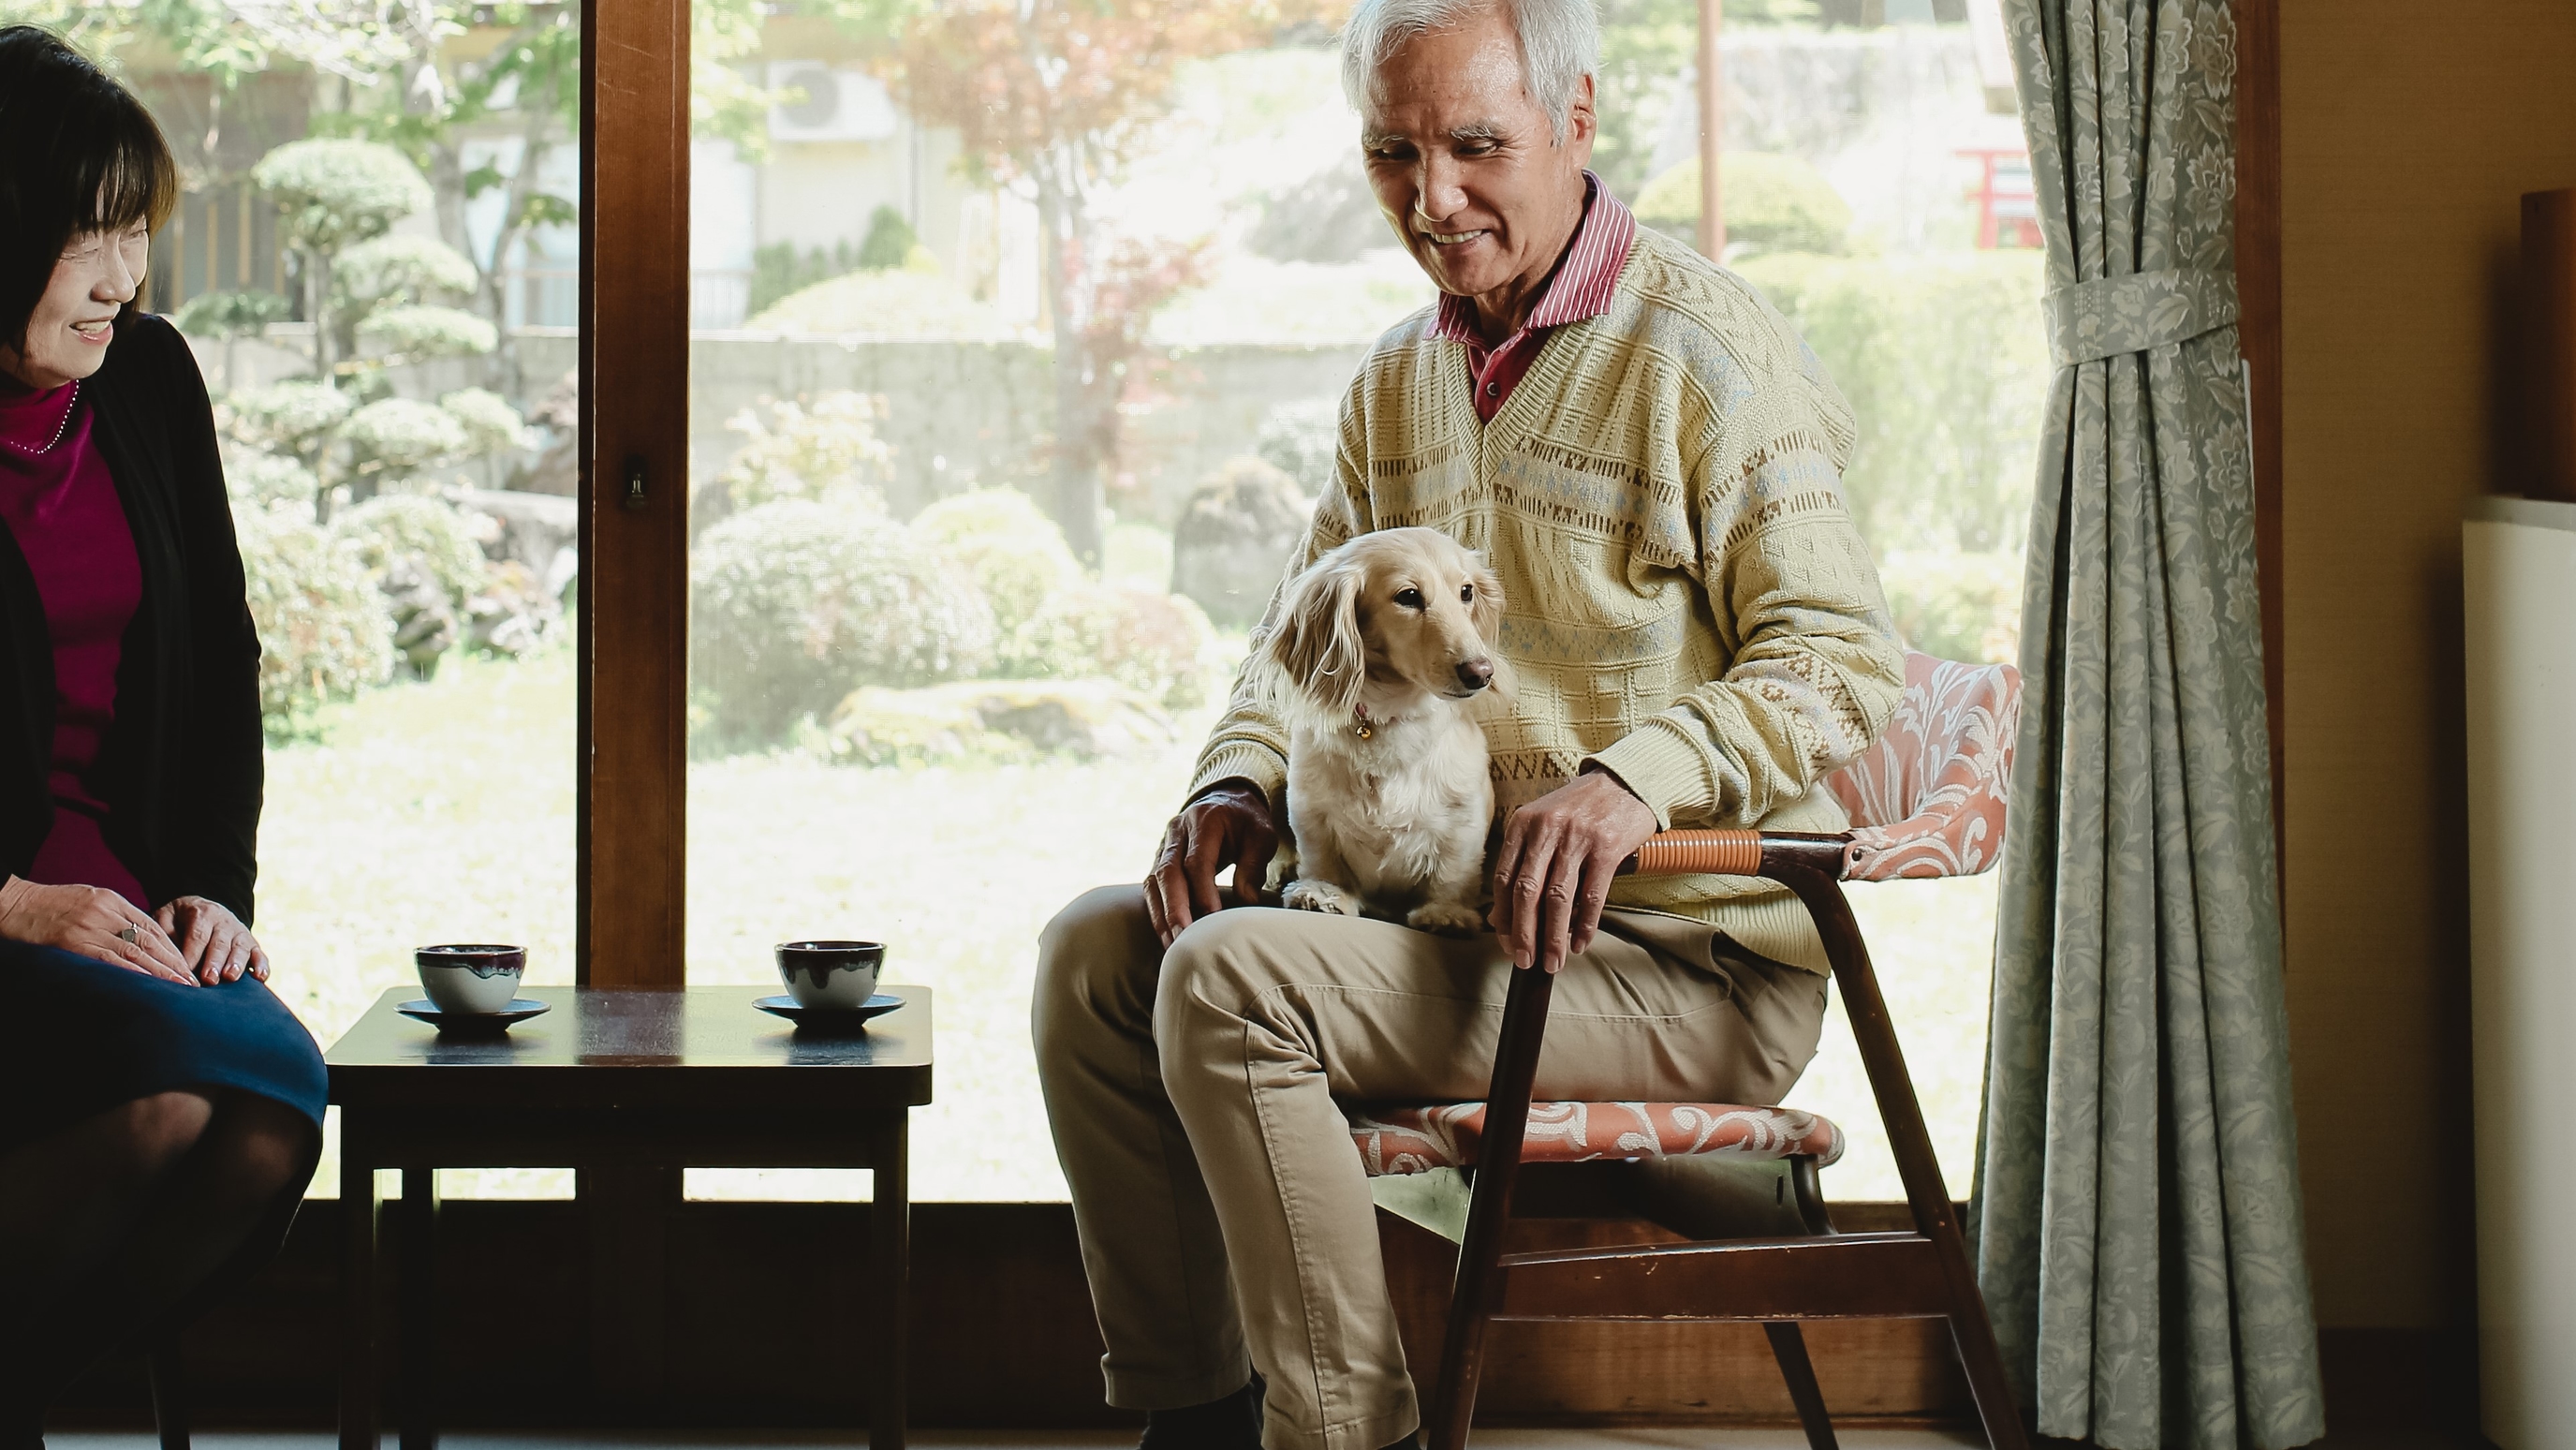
(1059, 95)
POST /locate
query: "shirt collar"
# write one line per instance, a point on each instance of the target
(1582, 285)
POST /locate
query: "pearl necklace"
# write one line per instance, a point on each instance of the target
(59, 428)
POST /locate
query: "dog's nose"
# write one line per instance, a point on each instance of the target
(1476, 674)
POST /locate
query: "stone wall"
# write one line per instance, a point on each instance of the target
(957, 413)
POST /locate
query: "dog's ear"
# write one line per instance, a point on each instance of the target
(1317, 644)
(1487, 612)
(1487, 616)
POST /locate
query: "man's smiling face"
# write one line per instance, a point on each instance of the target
(1465, 164)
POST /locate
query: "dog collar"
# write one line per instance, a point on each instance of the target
(1360, 724)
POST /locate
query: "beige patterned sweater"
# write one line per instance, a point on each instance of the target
(1687, 601)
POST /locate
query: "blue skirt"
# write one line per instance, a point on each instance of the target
(78, 1037)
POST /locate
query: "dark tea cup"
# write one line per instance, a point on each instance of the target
(831, 976)
(471, 979)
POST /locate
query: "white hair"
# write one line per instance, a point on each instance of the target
(1560, 45)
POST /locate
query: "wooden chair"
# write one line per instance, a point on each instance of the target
(169, 1393)
(1927, 800)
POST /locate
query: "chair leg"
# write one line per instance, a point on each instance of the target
(1974, 1335)
(170, 1393)
(1790, 1348)
(1462, 1353)
(1902, 1114)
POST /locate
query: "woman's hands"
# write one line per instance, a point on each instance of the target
(218, 948)
(189, 941)
(1559, 855)
(94, 922)
(1228, 825)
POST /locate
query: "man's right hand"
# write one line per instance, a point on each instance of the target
(90, 920)
(1229, 824)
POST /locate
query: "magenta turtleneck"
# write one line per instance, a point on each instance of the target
(59, 501)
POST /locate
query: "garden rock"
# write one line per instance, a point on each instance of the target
(424, 621)
(1235, 537)
(1303, 441)
(514, 614)
(558, 467)
(537, 529)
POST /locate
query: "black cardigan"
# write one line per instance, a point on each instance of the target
(180, 769)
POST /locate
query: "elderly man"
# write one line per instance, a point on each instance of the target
(1651, 458)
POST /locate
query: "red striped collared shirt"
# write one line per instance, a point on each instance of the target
(1580, 289)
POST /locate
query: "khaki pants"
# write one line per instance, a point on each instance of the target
(1220, 1202)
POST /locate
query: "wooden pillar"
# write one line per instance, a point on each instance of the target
(1712, 130)
(634, 660)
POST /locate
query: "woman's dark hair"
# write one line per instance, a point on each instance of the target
(82, 155)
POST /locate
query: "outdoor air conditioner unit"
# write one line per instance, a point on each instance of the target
(823, 103)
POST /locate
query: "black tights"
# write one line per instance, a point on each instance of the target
(111, 1225)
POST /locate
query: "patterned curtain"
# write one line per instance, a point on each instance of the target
(2138, 1218)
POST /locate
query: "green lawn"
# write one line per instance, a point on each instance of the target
(443, 812)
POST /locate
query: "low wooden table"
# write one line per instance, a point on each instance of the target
(616, 1079)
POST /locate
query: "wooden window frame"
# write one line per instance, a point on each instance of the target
(632, 803)
(632, 796)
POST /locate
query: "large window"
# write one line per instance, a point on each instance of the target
(1005, 414)
(1001, 416)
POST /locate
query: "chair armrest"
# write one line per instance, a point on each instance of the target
(1741, 853)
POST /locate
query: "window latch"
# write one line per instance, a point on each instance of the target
(634, 483)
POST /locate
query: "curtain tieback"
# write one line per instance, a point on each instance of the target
(2101, 319)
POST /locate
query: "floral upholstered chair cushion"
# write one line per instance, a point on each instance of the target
(1416, 1138)
(1928, 798)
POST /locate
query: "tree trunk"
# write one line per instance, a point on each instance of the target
(1078, 421)
(317, 307)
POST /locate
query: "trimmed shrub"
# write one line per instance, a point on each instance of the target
(1016, 553)
(1302, 440)
(401, 434)
(824, 451)
(337, 191)
(430, 331)
(1773, 203)
(896, 302)
(1235, 537)
(265, 481)
(289, 416)
(230, 314)
(323, 631)
(491, 424)
(405, 268)
(778, 270)
(1151, 643)
(795, 604)
(890, 241)
(1944, 361)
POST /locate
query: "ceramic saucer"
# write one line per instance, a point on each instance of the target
(520, 1010)
(786, 1006)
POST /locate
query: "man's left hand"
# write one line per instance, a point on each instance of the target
(217, 946)
(1559, 855)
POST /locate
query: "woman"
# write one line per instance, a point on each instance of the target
(160, 1111)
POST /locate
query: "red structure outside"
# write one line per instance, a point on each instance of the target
(2007, 206)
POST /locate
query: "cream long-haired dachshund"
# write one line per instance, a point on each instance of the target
(1385, 644)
